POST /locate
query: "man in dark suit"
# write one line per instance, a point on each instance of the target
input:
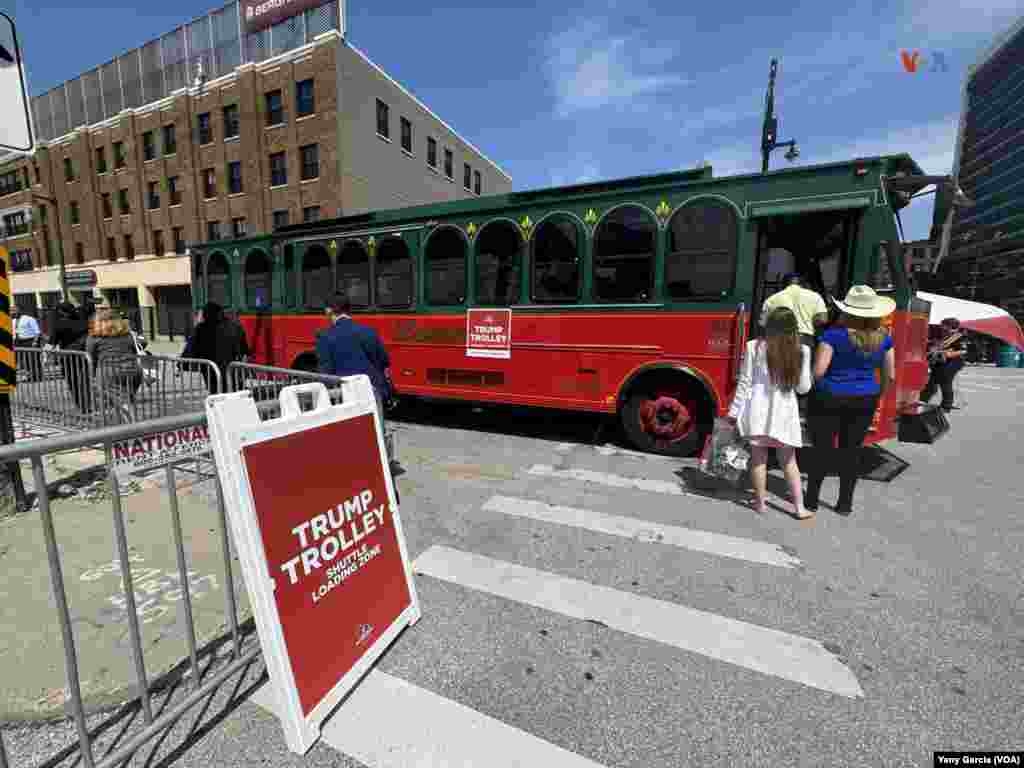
(349, 349)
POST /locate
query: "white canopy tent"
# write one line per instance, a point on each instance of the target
(975, 316)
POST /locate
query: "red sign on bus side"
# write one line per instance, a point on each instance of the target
(489, 333)
(332, 548)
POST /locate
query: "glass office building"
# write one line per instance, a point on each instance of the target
(985, 259)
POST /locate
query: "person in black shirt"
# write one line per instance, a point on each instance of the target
(946, 359)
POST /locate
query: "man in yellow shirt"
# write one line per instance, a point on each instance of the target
(809, 308)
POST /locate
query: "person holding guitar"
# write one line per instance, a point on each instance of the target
(945, 358)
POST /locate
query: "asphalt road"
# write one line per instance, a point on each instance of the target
(586, 606)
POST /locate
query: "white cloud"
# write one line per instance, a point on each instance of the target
(584, 170)
(592, 68)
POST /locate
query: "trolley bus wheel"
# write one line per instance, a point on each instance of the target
(666, 420)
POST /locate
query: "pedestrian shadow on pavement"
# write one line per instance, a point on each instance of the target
(123, 723)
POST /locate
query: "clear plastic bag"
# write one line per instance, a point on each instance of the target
(726, 454)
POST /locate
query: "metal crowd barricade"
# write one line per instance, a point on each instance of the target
(266, 382)
(136, 388)
(35, 450)
(55, 389)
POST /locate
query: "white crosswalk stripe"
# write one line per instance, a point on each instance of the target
(641, 530)
(765, 650)
(390, 723)
(603, 478)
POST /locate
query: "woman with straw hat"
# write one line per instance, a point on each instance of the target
(846, 391)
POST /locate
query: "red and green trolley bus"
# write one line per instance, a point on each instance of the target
(632, 297)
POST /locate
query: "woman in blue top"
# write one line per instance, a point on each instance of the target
(846, 392)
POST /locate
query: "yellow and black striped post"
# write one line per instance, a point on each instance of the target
(8, 366)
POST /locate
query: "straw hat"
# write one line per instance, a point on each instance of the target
(862, 301)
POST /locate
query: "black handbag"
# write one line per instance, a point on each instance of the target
(926, 426)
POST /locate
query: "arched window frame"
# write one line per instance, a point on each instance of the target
(351, 244)
(593, 265)
(267, 276)
(466, 250)
(519, 267)
(303, 299)
(228, 282)
(376, 272)
(581, 244)
(731, 250)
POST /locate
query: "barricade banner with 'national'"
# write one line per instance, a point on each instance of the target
(317, 525)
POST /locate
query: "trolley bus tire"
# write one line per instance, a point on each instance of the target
(632, 417)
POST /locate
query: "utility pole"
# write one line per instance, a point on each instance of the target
(770, 129)
(60, 234)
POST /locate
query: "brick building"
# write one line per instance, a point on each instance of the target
(137, 159)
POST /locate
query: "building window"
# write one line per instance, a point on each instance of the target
(148, 146)
(280, 219)
(69, 169)
(703, 242)
(467, 176)
(10, 183)
(158, 242)
(310, 214)
(305, 101)
(432, 152)
(101, 159)
(205, 129)
(173, 191)
(238, 227)
(278, 170)
(119, 159)
(383, 120)
(275, 107)
(448, 169)
(21, 261)
(179, 240)
(170, 143)
(476, 182)
(209, 183)
(234, 178)
(111, 249)
(79, 253)
(129, 247)
(231, 121)
(108, 211)
(406, 135)
(73, 212)
(153, 195)
(310, 155)
(212, 230)
(122, 201)
(15, 224)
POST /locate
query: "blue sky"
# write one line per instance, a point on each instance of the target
(615, 88)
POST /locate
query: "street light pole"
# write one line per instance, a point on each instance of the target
(770, 129)
(60, 236)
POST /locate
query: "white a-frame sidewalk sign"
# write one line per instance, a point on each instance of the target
(315, 520)
(15, 115)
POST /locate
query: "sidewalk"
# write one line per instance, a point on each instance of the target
(31, 649)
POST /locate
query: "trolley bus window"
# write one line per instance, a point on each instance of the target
(702, 245)
(624, 255)
(289, 276)
(218, 280)
(555, 266)
(446, 268)
(257, 281)
(354, 273)
(499, 249)
(316, 278)
(394, 273)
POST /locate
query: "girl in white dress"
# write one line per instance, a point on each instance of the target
(765, 408)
